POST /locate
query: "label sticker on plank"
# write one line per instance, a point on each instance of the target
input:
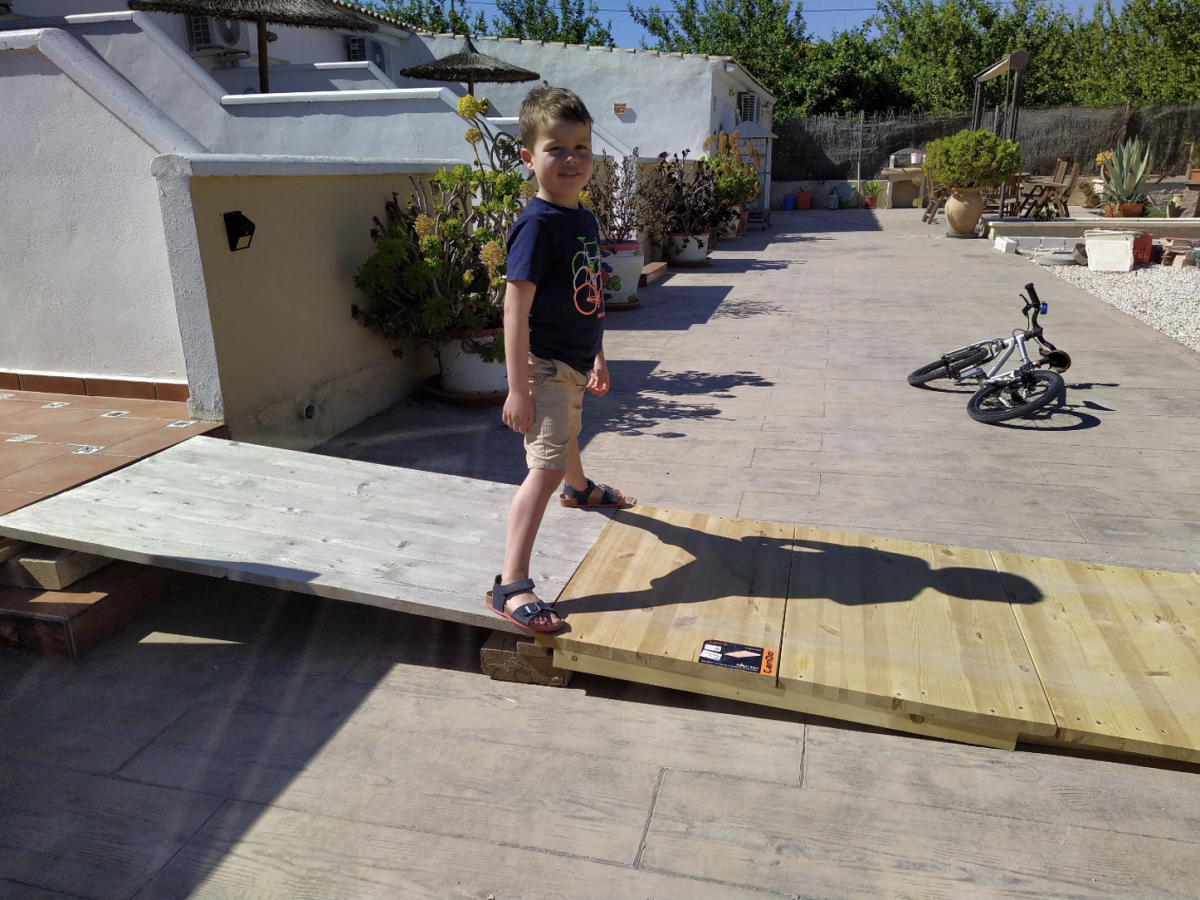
(738, 656)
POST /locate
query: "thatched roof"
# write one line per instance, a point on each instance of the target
(470, 66)
(298, 13)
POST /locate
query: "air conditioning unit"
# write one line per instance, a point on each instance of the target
(208, 35)
(361, 49)
(748, 107)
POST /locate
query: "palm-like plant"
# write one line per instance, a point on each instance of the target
(1126, 172)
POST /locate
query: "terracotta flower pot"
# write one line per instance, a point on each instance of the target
(1130, 210)
(871, 201)
(963, 209)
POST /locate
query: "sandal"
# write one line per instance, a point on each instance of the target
(522, 616)
(588, 498)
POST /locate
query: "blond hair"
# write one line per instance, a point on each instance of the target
(547, 104)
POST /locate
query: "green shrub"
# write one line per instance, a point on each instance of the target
(972, 159)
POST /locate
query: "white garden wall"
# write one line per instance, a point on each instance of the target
(85, 287)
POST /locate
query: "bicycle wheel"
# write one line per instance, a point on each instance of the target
(950, 365)
(1019, 397)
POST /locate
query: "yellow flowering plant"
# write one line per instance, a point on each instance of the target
(438, 270)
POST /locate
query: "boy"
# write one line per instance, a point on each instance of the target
(553, 339)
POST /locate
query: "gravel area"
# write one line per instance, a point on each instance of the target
(1165, 298)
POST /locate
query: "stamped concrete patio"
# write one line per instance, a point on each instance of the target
(242, 743)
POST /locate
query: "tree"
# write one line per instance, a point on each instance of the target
(768, 38)
(1145, 54)
(429, 15)
(849, 74)
(939, 48)
(535, 20)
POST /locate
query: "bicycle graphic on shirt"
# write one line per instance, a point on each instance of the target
(589, 293)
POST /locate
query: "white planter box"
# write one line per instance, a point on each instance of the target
(1109, 251)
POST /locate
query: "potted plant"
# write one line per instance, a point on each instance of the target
(871, 191)
(437, 274)
(1090, 198)
(735, 172)
(964, 163)
(688, 208)
(1125, 176)
(612, 196)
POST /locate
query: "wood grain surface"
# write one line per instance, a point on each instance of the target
(1116, 650)
(659, 584)
(402, 539)
(914, 628)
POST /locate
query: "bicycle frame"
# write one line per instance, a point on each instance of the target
(1004, 349)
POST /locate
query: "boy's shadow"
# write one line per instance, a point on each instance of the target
(760, 566)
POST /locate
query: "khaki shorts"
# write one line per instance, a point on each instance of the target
(557, 391)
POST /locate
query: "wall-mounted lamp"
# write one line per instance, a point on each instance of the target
(619, 109)
(240, 230)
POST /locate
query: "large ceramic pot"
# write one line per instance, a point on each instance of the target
(688, 248)
(463, 372)
(963, 209)
(622, 262)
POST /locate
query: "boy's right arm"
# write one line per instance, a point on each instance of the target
(519, 410)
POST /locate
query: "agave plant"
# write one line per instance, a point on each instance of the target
(1125, 174)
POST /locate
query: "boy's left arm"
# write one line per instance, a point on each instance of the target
(598, 382)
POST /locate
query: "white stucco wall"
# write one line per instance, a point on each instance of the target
(668, 98)
(85, 287)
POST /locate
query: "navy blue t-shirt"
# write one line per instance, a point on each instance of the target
(558, 249)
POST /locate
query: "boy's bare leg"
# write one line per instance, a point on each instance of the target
(524, 520)
(575, 478)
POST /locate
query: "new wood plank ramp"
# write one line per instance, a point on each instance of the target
(986, 648)
(417, 542)
(960, 644)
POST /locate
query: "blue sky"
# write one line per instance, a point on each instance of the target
(824, 17)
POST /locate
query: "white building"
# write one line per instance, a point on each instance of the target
(126, 137)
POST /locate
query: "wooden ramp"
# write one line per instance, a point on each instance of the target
(416, 542)
(967, 645)
(980, 647)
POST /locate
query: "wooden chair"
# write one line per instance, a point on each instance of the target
(937, 195)
(1044, 191)
(1062, 196)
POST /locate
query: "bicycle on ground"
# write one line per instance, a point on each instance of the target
(1005, 395)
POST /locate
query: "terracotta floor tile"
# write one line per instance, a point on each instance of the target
(14, 406)
(10, 500)
(173, 410)
(17, 456)
(61, 472)
(101, 432)
(81, 401)
(160, 438)
(41, 421)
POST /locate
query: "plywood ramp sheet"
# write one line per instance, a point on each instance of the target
(661, 588)
(660, 584)
(917, 629)
(413, 541)
(1116, 650)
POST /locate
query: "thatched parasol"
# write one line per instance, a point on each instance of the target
(469, 65)
(298, 13)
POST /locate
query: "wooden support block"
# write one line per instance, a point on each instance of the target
(49, 568)
(652, 272)
(66, 623)
(10, 547)
(509, 657)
